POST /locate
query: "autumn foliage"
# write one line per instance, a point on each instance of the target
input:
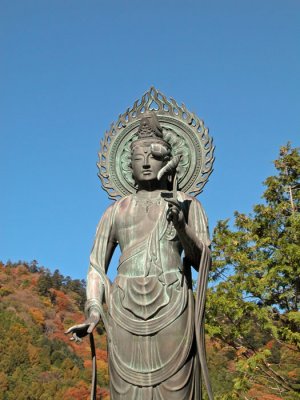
(38, 361)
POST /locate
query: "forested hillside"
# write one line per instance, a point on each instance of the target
(38, 362)
(252, 311)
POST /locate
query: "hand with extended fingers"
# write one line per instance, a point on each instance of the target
(81, 330)
(175, 213)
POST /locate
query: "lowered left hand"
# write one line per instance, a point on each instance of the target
(87, 327)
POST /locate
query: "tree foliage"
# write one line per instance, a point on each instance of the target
(38, 362)
(254, 298)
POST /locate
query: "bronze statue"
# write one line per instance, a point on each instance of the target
(155, 159)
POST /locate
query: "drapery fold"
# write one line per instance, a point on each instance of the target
(146, 309)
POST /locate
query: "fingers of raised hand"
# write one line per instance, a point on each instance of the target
(172, 202)
(173, 213)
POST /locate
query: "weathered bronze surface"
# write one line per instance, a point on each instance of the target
(153, 161)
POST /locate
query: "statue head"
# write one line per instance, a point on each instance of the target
(172, 134)
(150, 152)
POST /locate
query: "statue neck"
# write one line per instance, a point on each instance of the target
(153, 185)
(147, 194)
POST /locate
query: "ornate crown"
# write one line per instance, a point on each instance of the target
(150, 133)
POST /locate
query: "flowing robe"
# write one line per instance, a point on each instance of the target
(152, 344)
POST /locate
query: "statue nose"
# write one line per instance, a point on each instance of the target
(146, 166)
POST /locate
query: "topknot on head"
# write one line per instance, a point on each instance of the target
(149, 126)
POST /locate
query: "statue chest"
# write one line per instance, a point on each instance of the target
(137, 218)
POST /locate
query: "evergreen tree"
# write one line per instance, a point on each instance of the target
(253, 303)
(45, 283)
(57, 280)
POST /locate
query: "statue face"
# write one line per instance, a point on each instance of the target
(144, 165)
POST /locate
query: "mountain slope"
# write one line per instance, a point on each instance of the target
(39, 362)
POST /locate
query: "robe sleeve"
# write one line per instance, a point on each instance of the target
(197, 219)
(98, 253)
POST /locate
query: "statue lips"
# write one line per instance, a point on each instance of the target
(148, 173)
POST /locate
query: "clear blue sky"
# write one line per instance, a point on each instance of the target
(69, 68)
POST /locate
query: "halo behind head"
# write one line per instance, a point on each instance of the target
(167, 127)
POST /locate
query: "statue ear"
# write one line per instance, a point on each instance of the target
(135, 184)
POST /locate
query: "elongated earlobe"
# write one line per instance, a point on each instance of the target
(135, 182)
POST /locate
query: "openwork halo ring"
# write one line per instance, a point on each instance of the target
(183, 130)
